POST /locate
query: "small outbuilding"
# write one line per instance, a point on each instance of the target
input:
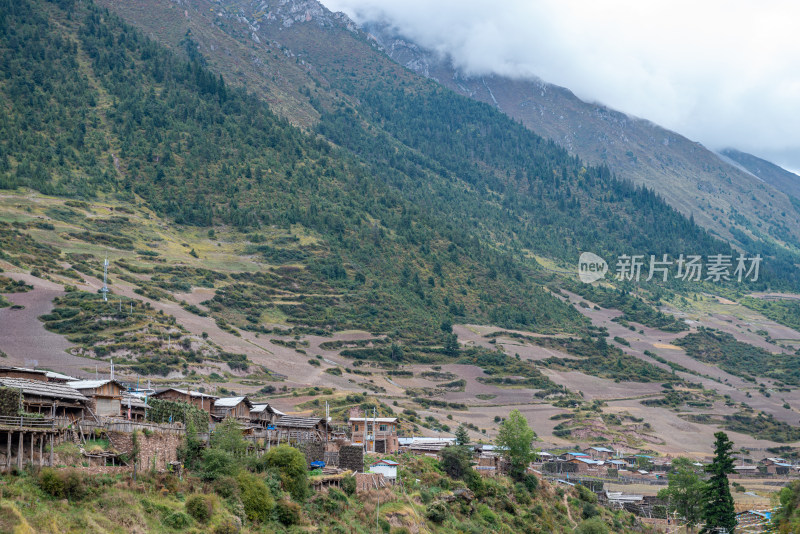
(388, 468)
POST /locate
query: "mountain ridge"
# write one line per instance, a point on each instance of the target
(690, 177)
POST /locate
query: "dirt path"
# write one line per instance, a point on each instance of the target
(569, 513)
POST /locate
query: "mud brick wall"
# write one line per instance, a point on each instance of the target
(351, 457)
(161, 447)
(313, 451)
(369, 482)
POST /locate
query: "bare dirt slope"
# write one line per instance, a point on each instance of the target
(23, 337)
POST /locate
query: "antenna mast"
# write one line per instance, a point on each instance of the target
(105, 280)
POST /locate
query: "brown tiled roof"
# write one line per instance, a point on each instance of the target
(43, 389)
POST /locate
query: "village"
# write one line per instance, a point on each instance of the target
(40, 411)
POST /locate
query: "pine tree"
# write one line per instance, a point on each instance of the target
(718, 512)
(462, 437)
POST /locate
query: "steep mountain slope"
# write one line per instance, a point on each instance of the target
(430, 211)
(337, 255)
(778, 177)
(689, 176)
(341, 65)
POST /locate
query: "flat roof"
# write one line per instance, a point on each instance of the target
(187, 392)
(92, 384)
(375, 419)
(299, 422)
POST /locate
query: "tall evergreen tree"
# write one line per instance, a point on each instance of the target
(462, 436)
(718, 512)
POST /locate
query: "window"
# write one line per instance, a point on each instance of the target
(383, 428)
(355, 428)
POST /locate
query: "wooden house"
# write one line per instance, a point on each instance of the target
(21, 372)
(382, 438)
(35, 374)
(134, 407)
(775, 466)
(300, 429)
(263, 415)
(745, 470)
(50, 399)
(236, 407)
(105, 396)
(204, 401)
(587, 465)
(599, 453)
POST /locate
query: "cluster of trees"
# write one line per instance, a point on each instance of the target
(703, 500)
(633, 308)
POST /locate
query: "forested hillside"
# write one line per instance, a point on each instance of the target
(415, 206)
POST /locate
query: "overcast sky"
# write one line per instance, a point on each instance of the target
(723, 72)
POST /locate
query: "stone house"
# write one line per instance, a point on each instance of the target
(383, 438)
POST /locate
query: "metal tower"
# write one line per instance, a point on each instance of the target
(105, 281)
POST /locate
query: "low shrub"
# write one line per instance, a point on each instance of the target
(348, 485)
(287, 512)
(177, 520)
(437, 512)
(199, 507)
(256, 498)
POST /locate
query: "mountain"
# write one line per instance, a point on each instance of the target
(687, 175)
(776, 176)
(404, 207)
(368, 231)
(320, 61)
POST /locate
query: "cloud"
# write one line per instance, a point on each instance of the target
(724, 72)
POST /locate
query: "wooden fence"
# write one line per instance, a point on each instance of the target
(14, 421)
(128, 427)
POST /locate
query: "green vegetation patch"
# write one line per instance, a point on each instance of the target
(597, 357)
(131, 331)
(740, 359)
(784, 311)
(7, 285)
(165, 411)
(632, 307)
(760, 426)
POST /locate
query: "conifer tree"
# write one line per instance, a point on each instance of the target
(718, 511)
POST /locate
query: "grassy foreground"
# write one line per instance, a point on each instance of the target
(67, 500)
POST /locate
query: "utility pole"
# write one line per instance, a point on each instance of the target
(104, 290)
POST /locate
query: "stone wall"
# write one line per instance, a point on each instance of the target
(314, 451)
(158, 449)
(351, 457)
(369, 482)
